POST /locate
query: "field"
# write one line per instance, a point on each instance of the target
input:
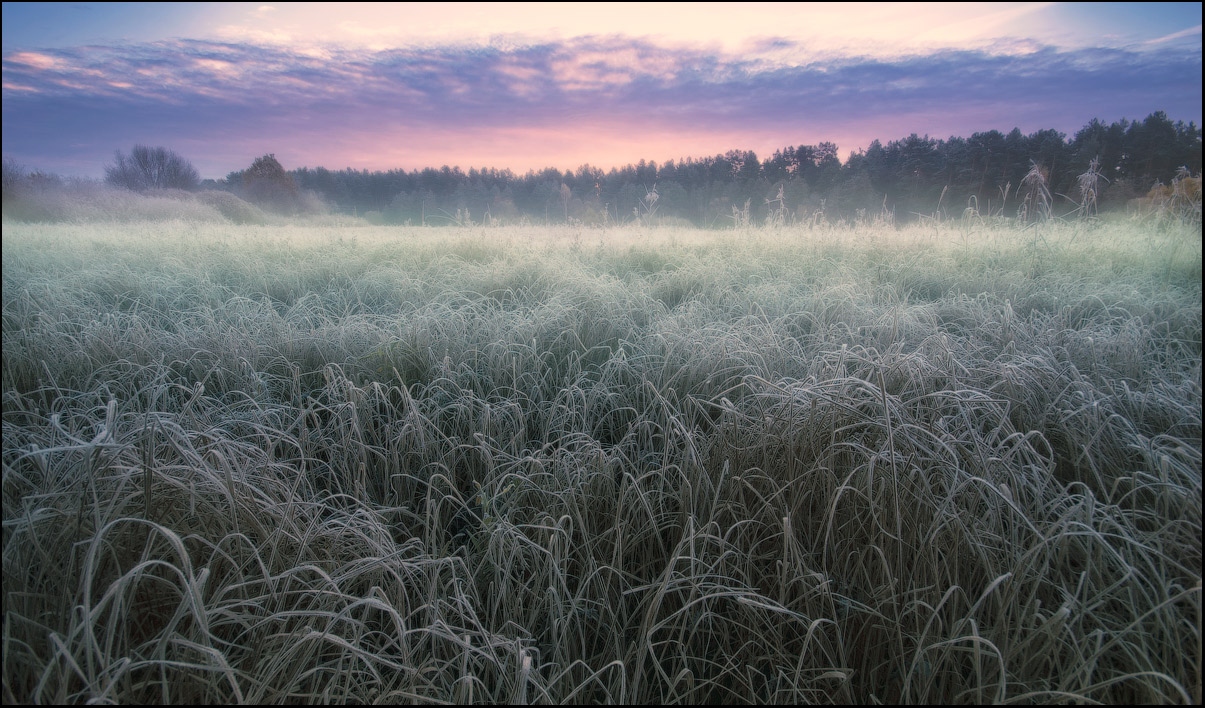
(947, 463)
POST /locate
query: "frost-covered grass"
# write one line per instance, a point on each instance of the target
(291, 464)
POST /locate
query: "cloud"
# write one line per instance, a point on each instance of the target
(1182, 34)
(532, 102)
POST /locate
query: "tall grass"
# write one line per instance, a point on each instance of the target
(288, 464)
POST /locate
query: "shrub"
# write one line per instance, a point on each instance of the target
(1180, 200)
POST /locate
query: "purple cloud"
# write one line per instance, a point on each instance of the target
(221, 104)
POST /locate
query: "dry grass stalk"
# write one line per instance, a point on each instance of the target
(814, 465)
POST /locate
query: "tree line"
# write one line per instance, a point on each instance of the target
(909, 178)
(902, 180)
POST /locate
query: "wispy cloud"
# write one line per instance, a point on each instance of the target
(1182, 34)
(525, 105)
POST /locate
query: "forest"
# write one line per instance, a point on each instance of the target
(905, 179)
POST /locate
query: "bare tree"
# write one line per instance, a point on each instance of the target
(151, 168)
(14, 175)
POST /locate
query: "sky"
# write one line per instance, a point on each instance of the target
(522, 86)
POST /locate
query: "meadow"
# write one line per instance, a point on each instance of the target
(952, 462)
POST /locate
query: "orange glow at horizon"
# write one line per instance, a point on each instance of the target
(533, 86)
(539, 147)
